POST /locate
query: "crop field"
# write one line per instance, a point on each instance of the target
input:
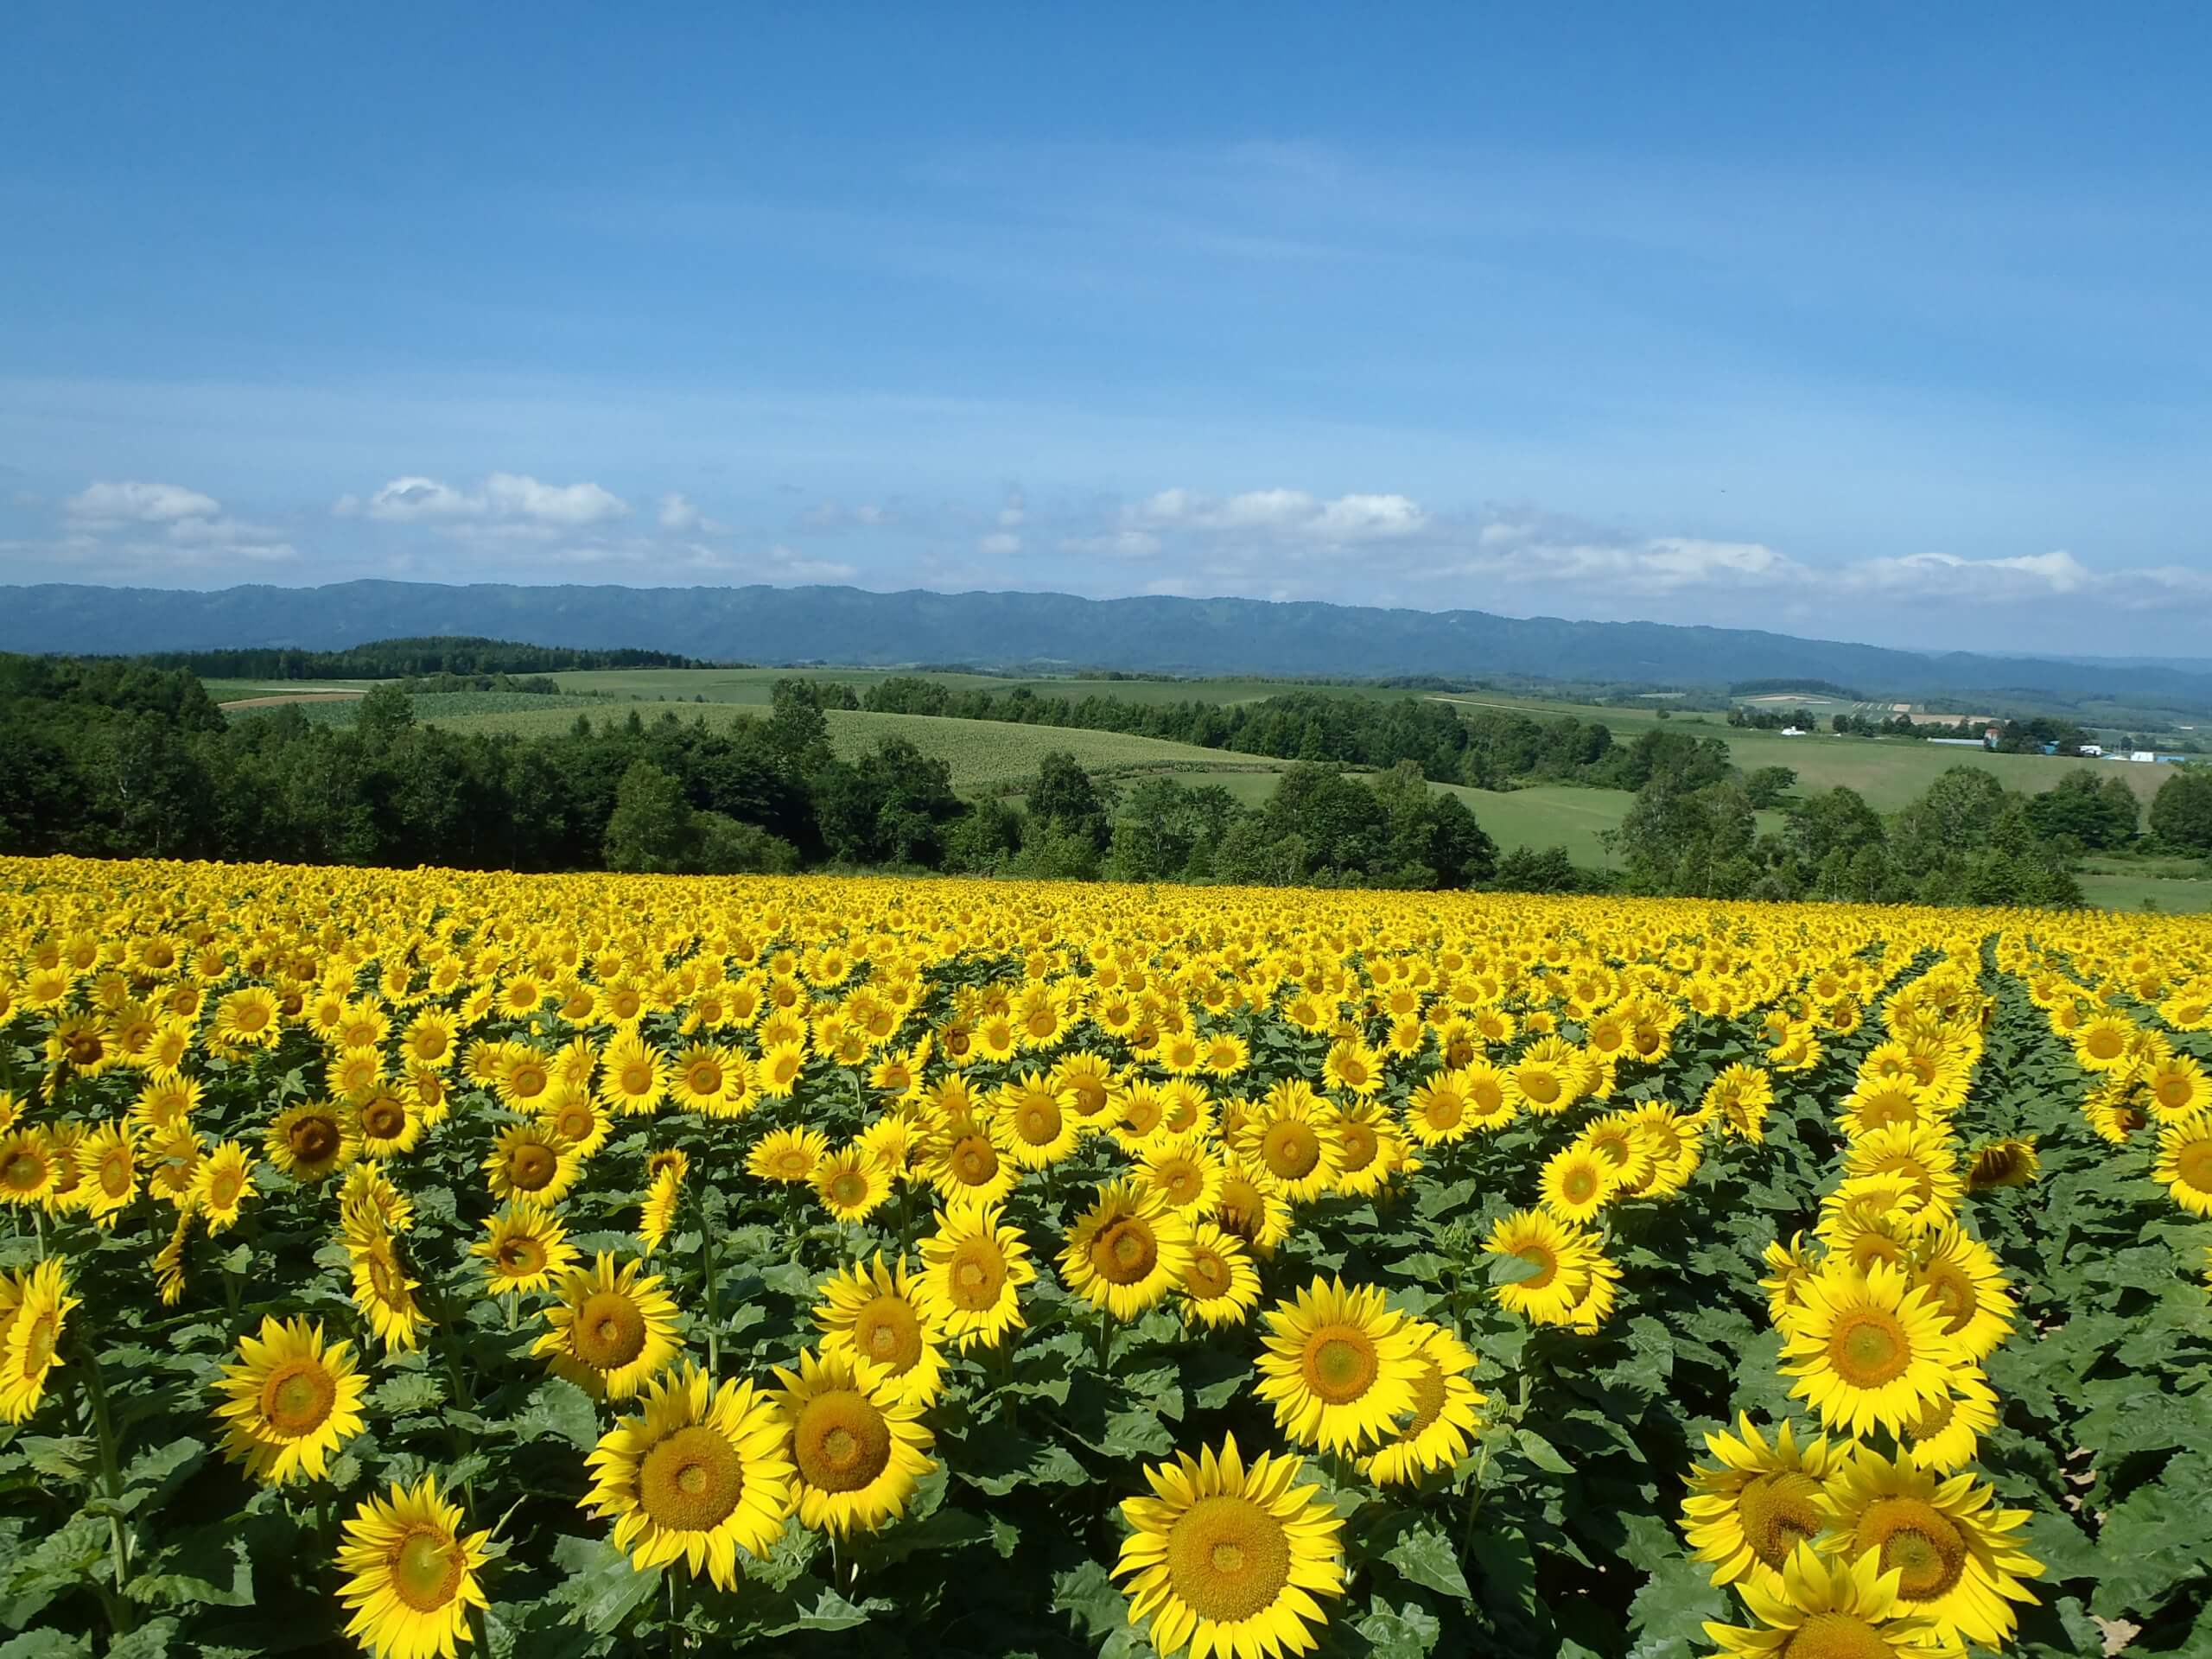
(754, 685)
(419, 1263)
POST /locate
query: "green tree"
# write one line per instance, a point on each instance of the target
(650, 829)
(1062, 798)
(2181, 812)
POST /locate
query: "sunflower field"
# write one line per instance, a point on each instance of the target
(419, 1262)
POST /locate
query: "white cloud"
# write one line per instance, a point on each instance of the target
(682, 514)
(505, 495)
(999, 543)
(2031, 574)
(1546, 551)
(1292, 514)
(128, 502)
(1016, 508)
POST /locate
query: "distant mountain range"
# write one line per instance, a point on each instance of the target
(1190, 636)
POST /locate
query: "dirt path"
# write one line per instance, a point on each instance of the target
(291, 696)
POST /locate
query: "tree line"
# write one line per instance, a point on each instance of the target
(455, 654)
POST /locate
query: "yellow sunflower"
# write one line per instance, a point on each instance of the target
(308, 1141)
(2184, 1163)
(610, 1331)
(1960, 1275)
(789, 1156)
(2002, 1163)
(414, 1573)
(879, 1316)
(1127, 1251)
(1576, 1183)
(1339, 1367)
(523, 1249)
(1352, 1068)
(1558, 1258)
(974, 1269)
(852, 1183)
(1030, 1125)
(1293, 1141)
(1228, 1560)
(965, 1165)
(1220, 1287)
(1371, 1149)
(41, 1306)
(529, 1161)
(1947, 1433)
(222, 1185)
(108, 1162)
(1867, 1348)
(1251, 1210)
(1446, 1414)
(29, 1169)
(1825, 1610)
(856, 1450)
(702, 1472)
(289, 1402)
(1958, 1559)
(1747, 1514)
(382, 1290)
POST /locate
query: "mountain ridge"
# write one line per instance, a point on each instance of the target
(1149, 633)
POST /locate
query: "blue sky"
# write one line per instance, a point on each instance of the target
(1882, 324)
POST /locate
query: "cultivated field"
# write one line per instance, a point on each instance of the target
(604, 1265)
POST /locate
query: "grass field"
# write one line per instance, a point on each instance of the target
(754, 685)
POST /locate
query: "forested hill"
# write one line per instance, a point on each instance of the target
(845, 625)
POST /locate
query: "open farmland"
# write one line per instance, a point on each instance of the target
(602, 1265)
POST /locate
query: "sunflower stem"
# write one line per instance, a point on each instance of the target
(119, 1610)
(706, 1208)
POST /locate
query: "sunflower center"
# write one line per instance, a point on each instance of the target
(974, 1161)
(1442, 1110)
(1429, 1396)
(532, 1168)
(1918, 1542)
(2194, 1166)
(1934, 1417)
(1579, 1185)
(1227, 1558)
(1208, 1275)
(691, 1481)
(312, 1138)
(704, 1079)
(520, 1256)
(1836, 1636)
(1954, 1292)
(528, 1081)
(1546, 1264)
(1777, 1512)
(1038, 1121)
(637, 1078)
(1181, 1182)
(38, 1343)
(2105, 1043)
(886, 1331)
(1290, 1150)
(383, 1118)
(841, 1442)
(1125, 1251)
(610, 1332)
(24, 1172)
(83, 1048)
(425, 1569)
(1869, 1348)
(297, 1396)
(223, 1188)
(1341, 1364)
(115, 1174)
(978, 1274)
(1539, 1086)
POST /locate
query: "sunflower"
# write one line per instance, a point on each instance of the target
(1961, 1276)
(634, 1079)
(1220, 1287)
(382, 1290)
(29, 1169)
(1224, 1559)
(1253, 1211)
(247, 1017)
(880, 1317)
(290, 1402)
(107, 1161)
(778, 1073)
(1747, 1514)
(568, 1113)
(2184, 1163)
(41, 1305)
(414, 1573)
(222, 1185)
(973, 1271)
(1958, 1561)
(704, 1079)
(610, 1331)
(1945, 1435)
(1371, 1149)
(1127, 1251)
(856, 1450)
(702, 1472)
(852, 1183)
(790, 1156)
(1340, 1366)
(1184, 1171)
(1867, 1348)
(2002, 1163)
(1446, 1414)
(1825, 1610)
(308, 1141)
(524, 1247)
(1557, 1274)
(1352, 1068)
(529, 1161)
(966, 1166)
(1031, 1126)
(1290, 1139)
(1577, 1183)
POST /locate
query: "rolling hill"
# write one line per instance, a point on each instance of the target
(1210, 636)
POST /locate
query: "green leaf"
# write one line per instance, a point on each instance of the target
(46, 1644)
(1668, 1616)
(406, 1392)
(558, 1410)
(1426, 1556)
(1541, 1452)
(62, 1458)
(1407, 1632)
(207, 1566)
(599, 1584)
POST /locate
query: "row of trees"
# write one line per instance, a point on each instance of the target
(399, 659)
